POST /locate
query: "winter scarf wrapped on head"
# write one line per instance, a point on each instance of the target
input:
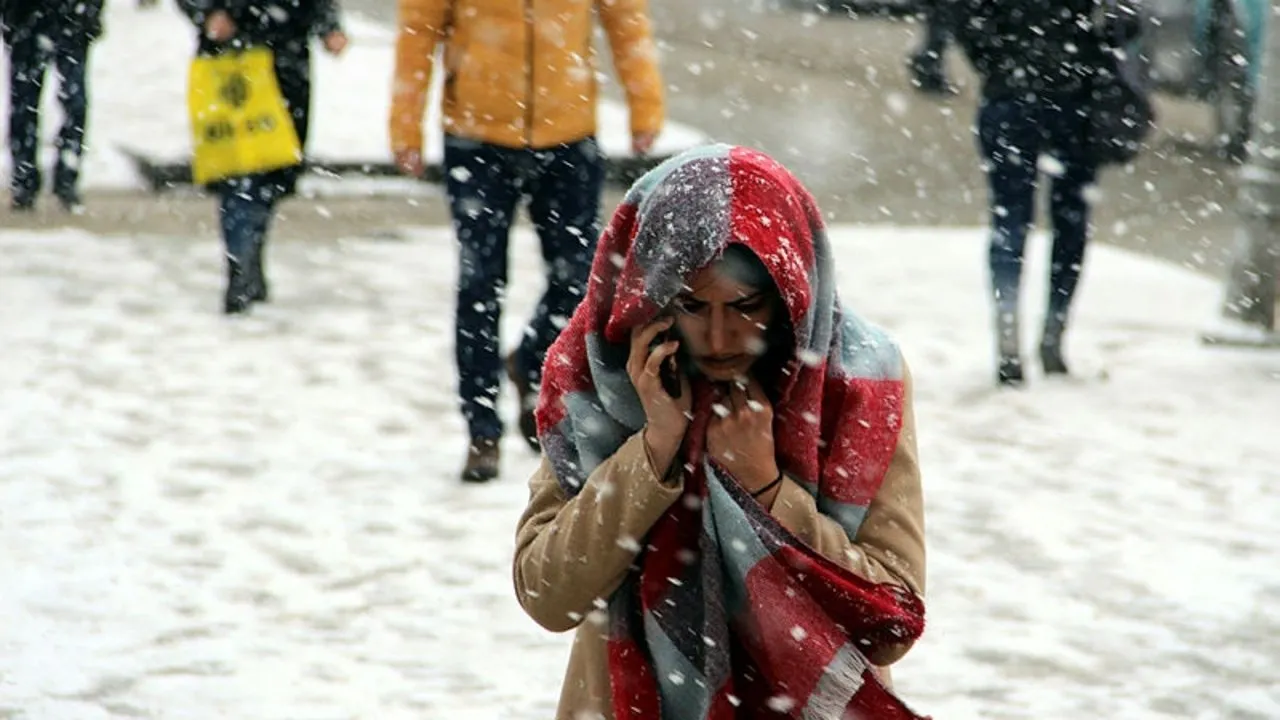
(728, 615)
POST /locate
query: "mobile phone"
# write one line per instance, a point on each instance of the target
(669, 373)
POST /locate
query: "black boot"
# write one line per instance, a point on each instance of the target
(1009, 372)
(928, 76)
(239, 295)
(1051, 346)
(528, 395)
(1009, 368)
(70, 202)
(1051, 359)
(258, 278)
(483, 461)
(22, 202)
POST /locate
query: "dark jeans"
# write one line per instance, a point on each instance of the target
(29, 57)
(245, 208)
(486, 183)
(1012, 135)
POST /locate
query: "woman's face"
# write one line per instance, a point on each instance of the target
(722, 322)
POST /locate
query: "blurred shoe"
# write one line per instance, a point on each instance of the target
(71, 202)
(483, 461)
(1009, 367)
(1051, 359)
(239, 294)
(1055, 326)
(927, 76)
(1009, 372)
(528, 395)
(935, 85)
(22, 203)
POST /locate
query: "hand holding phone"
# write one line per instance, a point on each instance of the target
(661, 387)
(669, 373)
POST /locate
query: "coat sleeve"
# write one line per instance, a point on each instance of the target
(635, 57)
(573, 552)
(889, 545)
(423, 25)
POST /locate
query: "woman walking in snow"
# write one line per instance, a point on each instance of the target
(729, 505)
(1039, 61)
(247, 204)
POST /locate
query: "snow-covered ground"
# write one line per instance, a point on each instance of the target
(138, 85)
(259, 518)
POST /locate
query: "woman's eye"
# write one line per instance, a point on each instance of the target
(750, 307)
(690, 307)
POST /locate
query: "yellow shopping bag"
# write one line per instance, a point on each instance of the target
(239, 121)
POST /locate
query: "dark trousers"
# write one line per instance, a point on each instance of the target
(30, 55)
(1012, 135)
(486, 184)
(245, 208)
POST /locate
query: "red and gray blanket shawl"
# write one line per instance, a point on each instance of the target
(726, 614)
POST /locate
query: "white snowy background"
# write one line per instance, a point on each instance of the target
(138, 87)
(260, 518)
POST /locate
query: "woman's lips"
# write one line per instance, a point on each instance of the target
(721, 363)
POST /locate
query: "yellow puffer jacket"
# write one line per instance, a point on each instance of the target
(520, 73)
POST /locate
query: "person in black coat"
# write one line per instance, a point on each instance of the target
(247, 204)
(1038, 60)
(38, 33)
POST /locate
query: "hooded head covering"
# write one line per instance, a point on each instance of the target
(686, 640)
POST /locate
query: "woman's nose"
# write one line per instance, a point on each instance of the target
(716, 332)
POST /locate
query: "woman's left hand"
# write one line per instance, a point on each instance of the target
(740, 436)
(335, 42)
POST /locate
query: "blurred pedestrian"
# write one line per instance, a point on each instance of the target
(1039, 62)
(520, 89)
(247, 204)
(729, 508)
(39, 33)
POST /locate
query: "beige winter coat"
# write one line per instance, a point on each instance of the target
(571, 553)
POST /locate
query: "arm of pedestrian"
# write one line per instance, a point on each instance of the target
(635, 56)
(423, 25)
(327, 21)
(335, 42)
(572, 554)
(197, 10)
(642, 143)
(214, 18)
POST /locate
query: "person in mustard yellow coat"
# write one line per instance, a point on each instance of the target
(519, 116)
